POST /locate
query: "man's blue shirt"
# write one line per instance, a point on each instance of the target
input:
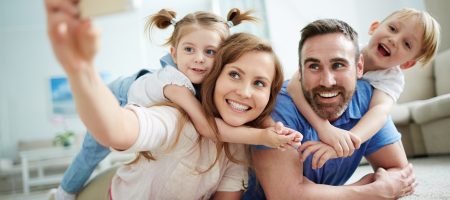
(335, 171)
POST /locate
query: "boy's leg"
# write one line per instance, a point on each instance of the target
(92, 152)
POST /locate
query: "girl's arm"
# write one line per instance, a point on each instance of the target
(379, 109)
(186, 100)
(344, 142)
(74, 42)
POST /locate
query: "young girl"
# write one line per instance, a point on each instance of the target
(184, 165)
(398, 42)
(193, 45)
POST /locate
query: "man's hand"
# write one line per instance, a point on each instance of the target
(396, 183)
(322, 153)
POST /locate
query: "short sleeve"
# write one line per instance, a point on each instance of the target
(156, 128)
(149, 89)
(391, 81)
(385, 136)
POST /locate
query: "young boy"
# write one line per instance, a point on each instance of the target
(403, 38)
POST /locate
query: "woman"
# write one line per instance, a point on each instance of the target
(177, 163)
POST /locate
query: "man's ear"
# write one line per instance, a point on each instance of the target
(173, 53)
(408, 64)
(360, 67)
(373, 27)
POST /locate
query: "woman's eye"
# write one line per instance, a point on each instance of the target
(260, 84)
(210, 52)
(234, 75)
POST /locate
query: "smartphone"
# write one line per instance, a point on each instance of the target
(92, 8)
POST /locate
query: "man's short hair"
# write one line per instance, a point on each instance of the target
(326, 26)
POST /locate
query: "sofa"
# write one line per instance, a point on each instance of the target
(422, 113)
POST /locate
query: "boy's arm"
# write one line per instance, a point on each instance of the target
(341, 140)
(379, 109)
(245, 135)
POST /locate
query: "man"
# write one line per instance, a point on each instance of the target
(330, 64)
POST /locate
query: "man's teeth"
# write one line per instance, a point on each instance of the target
(238, 106)
(328, 94)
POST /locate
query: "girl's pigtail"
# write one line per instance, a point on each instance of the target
(236, 17)
(163, 19)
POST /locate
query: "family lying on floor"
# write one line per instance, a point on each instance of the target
(218, 121)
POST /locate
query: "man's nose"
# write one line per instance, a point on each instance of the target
(327, 79)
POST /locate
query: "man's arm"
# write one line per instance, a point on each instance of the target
(391, 156)
(281, 176)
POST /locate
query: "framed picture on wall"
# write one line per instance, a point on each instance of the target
(61, 96)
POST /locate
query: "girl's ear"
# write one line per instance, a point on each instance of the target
(373, 27)
(408, 64)
(173, 53)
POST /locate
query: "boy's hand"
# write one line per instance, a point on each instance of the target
(280, 137)
(344, 142)
(322, 153)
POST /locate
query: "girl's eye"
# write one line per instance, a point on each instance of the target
(189, 49)
(210, 52)
(260, 84)
(234, 75)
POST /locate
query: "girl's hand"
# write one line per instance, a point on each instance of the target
(280, 137)
(322, 153)
(74, 40)
(344, 142)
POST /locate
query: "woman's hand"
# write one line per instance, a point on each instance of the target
(74, 40)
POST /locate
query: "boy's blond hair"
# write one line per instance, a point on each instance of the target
(431, 34)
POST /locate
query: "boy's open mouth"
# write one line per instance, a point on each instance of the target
(383, 50)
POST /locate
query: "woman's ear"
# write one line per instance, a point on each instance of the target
(173, 53)
(373, 27)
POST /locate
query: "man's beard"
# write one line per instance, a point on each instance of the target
(329, 111)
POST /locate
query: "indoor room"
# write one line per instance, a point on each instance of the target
(41, 131)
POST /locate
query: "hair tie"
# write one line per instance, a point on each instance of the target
(230, 24)
(173, 21)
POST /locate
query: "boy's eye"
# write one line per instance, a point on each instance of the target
(392, 28)
(260, 84)
(210, 52)
(234, 75)
(189, 49)
(408, 45)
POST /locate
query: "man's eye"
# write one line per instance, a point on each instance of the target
(337, 65)
(234, 75)
(314, 66)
